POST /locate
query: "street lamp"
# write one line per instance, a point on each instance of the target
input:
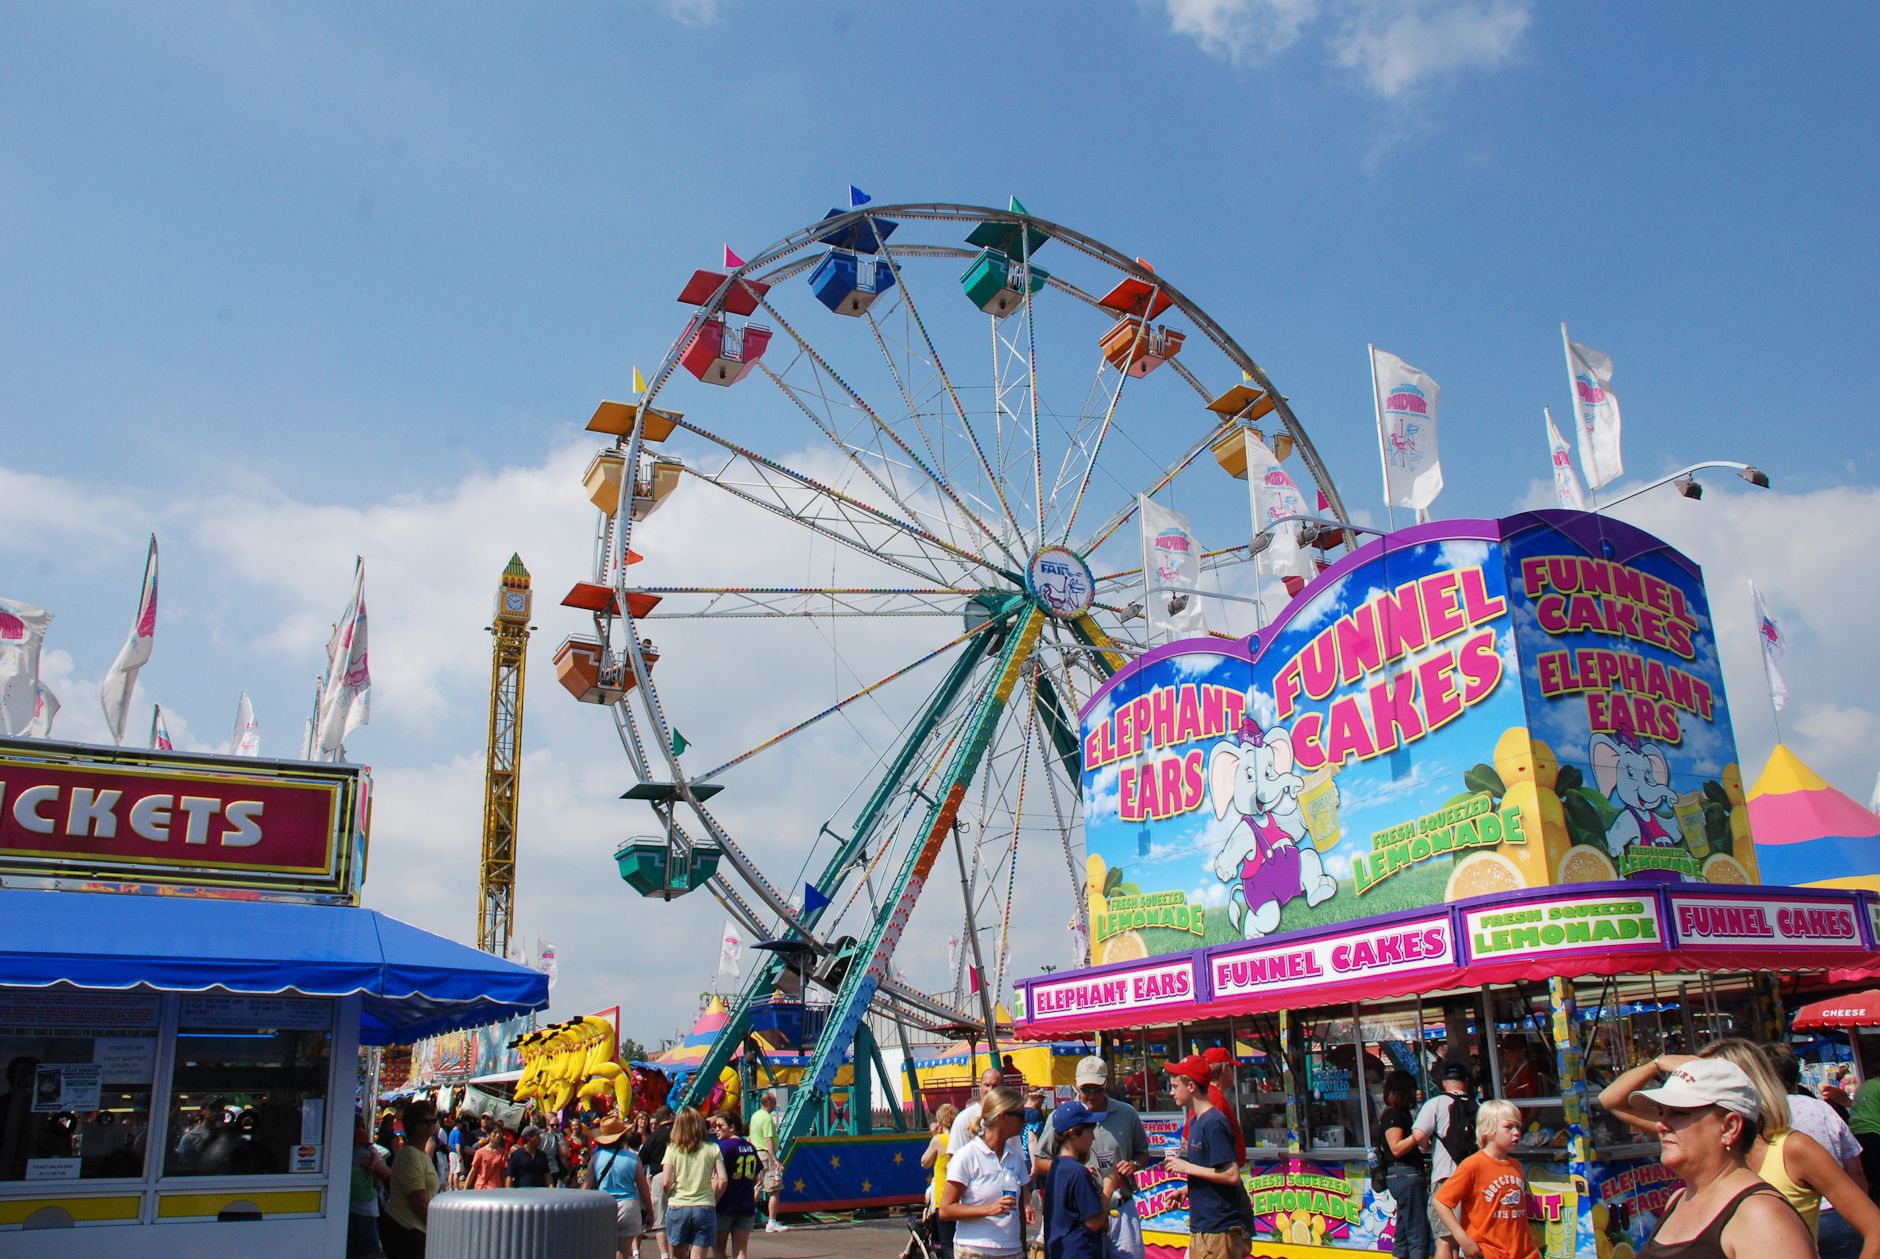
(1264, 538)
(1686, 480)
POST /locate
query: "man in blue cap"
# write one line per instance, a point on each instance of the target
(1077, 1206)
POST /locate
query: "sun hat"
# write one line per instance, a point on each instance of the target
(611, 1130)
(1194, 1070)
(1704, 1082)
(1092, 1070)
(1071, 1115)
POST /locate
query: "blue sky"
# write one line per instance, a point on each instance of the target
(287, 283)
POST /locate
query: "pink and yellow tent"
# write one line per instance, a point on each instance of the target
(1807, 833)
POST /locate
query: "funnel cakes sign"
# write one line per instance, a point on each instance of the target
(106, 819)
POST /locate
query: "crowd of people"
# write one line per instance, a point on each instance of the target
(689, 1181)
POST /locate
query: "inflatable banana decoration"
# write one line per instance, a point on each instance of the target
(568, 1062)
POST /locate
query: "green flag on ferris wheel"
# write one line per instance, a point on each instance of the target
(679, 742)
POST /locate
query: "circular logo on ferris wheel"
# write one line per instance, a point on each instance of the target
(1060, 581)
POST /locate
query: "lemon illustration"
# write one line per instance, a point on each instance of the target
(1481, 873)
(1623, 1250)
(1520, 758)
(1725, 869)
(1585, 865)
(1536, 825)
(1127, 947)
(1732, 779)
(1300, 1232)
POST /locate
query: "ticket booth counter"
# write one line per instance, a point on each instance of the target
(182, 1068)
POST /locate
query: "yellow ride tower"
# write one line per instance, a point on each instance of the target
(509, 651)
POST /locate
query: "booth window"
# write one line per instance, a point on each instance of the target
(248, 1094)
(79, 1066)
(1526, 1066)
(1262, 1080)
(1334, 1082)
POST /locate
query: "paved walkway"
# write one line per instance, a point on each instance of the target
(859, 1239)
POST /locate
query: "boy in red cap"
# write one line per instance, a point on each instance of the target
(1220, 1218)
(1221, 1065)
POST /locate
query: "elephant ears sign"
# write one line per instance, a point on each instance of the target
(1458, 709)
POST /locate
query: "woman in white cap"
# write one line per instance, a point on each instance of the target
(1705, 1116)
(1792, 1162)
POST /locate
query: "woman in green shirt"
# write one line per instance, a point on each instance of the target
(695, 1176)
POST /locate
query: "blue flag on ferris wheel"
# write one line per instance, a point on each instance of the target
(858, 198)
(813, 898)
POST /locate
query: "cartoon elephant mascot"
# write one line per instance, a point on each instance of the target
(1636, 779)
(1252, 774)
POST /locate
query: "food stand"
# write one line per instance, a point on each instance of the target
(185, 980)
(1472, 798)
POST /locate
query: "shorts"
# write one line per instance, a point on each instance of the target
(456, 1165)
(362, 1236)
(627, 1219)
(691, 1226)
(770, 1179)
(1438, 1229)
(656, 1205)
(729, 1224)
(1229, 1245)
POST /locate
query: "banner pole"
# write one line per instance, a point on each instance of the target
(1383, 459)
(1593, 481)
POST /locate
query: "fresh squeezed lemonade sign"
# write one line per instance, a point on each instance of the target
(1371, 751)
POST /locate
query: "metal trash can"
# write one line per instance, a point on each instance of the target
(521, 1224)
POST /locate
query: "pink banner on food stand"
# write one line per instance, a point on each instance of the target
(1761, 920)
(1348, 959)
(1118, 995)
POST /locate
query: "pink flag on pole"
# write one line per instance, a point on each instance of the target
(732, 261)
(114, 693)
(159, 731)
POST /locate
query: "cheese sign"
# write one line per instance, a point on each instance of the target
(88, 814)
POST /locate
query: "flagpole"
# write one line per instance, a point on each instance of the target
(1383, 458)
(1247, 438)
(156, 714)
(1593, 481)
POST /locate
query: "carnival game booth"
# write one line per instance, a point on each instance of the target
(185, 981)
(1473, 798)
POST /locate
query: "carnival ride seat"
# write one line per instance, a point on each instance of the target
(720, 354)
(794, 1022)
(649, 866)
(602, 482)
(616, 419)
(595, 675)
(995, 284)
(848, 283)
(1231, 453)
(1138, 348)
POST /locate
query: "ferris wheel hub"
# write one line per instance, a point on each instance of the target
(1059, 581)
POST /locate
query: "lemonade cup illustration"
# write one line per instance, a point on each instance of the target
(1689, 811)
(1318, 800)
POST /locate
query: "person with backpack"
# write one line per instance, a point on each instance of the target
(616, 1171)
(1403, 1168)
(1446, 1128)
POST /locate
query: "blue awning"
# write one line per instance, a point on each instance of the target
(414, 983)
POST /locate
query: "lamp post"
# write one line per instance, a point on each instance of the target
(1686, 480)
(1264, 538)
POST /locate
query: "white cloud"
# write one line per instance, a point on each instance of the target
(1391, 48)
(1396, 47)
(1242, 31)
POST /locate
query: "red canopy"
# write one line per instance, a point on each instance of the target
(1854, 1009)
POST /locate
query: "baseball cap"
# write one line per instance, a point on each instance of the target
(531, 1131)
(1214, 1055)
(1093, 1070)
(1071, 1115)
(1704, 1082)
(1193, 1069)
(1456, 1071)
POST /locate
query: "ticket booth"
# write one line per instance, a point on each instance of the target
(185, 981)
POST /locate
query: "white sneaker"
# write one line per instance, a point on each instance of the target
(774, 1227)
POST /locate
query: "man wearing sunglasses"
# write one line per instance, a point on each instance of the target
(1120, 1145)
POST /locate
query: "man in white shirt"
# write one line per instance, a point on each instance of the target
(962, 1132)
(1429, 1128)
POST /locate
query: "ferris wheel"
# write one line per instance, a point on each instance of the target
(983, 394)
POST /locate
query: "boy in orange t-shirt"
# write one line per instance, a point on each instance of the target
(1485, 1204)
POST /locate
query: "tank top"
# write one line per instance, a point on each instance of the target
(1774, 1169)
(1707, 1244)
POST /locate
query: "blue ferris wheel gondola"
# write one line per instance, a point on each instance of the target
(848, 283)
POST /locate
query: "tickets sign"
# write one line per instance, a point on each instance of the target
(120, 820)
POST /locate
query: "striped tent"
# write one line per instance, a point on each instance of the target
(1809, 834)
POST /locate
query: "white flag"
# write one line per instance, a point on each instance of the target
(45, 708)
(1567, 491)
(1772, 647)
(1596, 408)
(731, 951)
(545, 960)
(306, 740)
(159, 732)
(1275, 496)
(346, 703)
(1406, 418)
(22, 631)
(247, 738)
(517, 953)
(1171, 572)
(114, 693)
(1873, 801)
(1080, 945)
